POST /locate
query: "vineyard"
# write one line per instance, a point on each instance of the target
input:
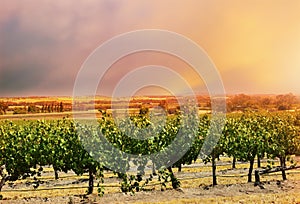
(28, 149)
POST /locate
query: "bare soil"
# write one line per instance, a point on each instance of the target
(235, 192)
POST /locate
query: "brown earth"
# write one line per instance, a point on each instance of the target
(268, 192)
(196, 190)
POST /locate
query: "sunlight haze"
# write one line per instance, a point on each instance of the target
(255, 45)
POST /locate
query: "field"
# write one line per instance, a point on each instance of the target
(44, 160)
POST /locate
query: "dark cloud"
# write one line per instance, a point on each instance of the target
(28, 76)
(44, 43)
(42, 47)
(27, 58)
(23, 66)
(17, 41)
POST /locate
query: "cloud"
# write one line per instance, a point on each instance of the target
(29, 76)
(52, 39)
(22, 66)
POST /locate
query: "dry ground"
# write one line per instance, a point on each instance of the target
(269, 192)
(232, 188)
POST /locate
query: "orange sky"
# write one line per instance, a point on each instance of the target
(255, 44)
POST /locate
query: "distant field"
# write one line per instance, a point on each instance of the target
(81, 114)
(69, 114)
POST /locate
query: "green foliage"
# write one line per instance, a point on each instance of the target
(33, 109)
(19, 110)
(27, 146)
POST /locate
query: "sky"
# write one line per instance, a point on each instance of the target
(254, 44)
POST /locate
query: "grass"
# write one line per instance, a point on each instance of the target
(284, 198)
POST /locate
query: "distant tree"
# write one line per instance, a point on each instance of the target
(20, 110)
(285, 102)
(61, 107)
(43, 108)
(265, 102)
(3, 107)
(33, 109)
(144, 111)
(241, 102)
